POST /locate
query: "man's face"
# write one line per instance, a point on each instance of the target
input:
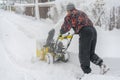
(68, 11)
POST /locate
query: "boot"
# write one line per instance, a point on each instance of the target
(104, 69)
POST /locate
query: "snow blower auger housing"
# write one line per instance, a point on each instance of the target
(54, 51)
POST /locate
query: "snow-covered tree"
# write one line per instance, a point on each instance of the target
(118, 18)
(114, 21)
(98, 12)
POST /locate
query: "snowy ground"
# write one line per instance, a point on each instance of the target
(18, 36)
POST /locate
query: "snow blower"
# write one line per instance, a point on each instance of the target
(54, 51)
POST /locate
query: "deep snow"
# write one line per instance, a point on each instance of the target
(18, 36)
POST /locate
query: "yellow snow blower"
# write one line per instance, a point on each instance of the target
(54, 51)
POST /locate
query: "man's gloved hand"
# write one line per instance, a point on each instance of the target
(60, 35)
(62, 31)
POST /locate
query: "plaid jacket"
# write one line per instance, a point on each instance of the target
(76, 20)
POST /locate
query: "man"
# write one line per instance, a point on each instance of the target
(83, 26)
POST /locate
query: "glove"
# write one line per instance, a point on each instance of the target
(60, 35)
(62, 31)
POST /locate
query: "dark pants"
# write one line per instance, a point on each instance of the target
(87, 43)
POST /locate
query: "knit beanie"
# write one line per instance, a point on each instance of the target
(70, 6)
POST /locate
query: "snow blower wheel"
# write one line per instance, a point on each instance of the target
(66, 57)
(49, 58)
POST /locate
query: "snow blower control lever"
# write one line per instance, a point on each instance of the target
(68, 37)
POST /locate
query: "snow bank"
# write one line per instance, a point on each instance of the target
(14, 40)
(108, 43)
(8, 71)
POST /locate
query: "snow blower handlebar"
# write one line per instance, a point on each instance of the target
(62, 37)
(68, 36)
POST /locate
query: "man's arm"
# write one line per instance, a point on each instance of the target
(66, 26)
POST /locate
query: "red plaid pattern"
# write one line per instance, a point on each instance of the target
(76, 20)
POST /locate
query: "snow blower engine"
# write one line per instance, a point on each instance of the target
(54, 51)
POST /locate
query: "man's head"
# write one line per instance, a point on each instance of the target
(70, 7)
